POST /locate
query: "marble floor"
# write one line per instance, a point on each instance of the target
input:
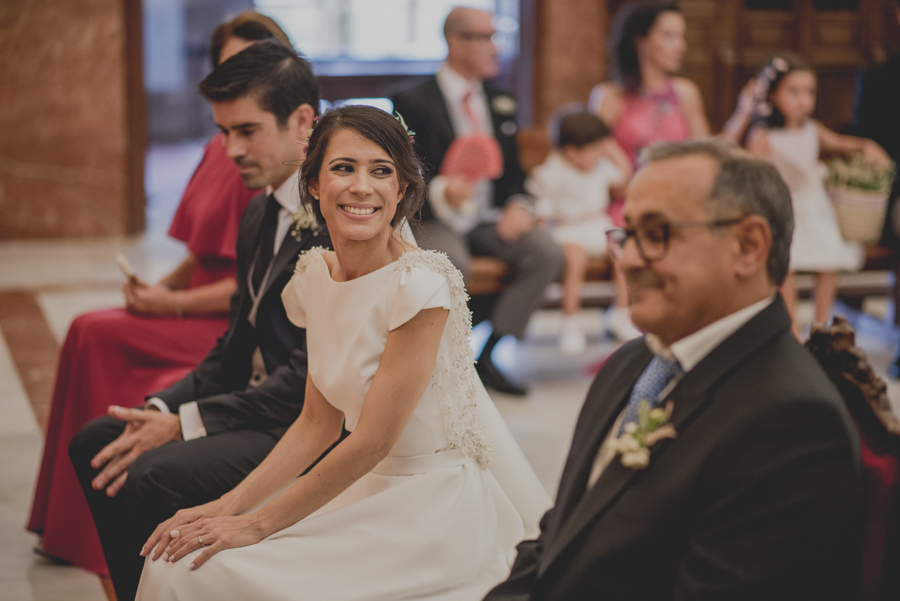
(61, 279)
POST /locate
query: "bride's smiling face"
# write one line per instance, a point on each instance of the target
(357, 186)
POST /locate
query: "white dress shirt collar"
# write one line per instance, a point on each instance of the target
(288, 193)
(453, 85)
(692, 349)
(288, 196)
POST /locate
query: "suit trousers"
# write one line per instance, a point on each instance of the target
(534, 261)
(161, 481)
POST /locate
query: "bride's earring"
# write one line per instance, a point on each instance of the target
(316, 197)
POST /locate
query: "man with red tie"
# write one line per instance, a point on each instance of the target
(464, 216)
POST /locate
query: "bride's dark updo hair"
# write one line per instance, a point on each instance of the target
(379, 127)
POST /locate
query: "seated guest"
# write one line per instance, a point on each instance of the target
(488, 217)
(117, 356)
(572, 188)
(202, 435)
(713, 458)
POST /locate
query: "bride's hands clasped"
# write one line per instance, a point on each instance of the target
(206, 526)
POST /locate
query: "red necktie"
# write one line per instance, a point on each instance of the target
(470, 114)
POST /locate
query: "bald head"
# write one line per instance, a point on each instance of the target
(470, 48)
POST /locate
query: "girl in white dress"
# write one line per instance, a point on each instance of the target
(572, 188)
(428, 494)
(788, 136)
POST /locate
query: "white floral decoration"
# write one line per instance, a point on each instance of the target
(652, 426)
(454, 378)
(307, 258)
(504, 105)
(303, 219)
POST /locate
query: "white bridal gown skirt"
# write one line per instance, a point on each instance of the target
(434, 527)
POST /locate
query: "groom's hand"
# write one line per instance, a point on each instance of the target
(145, 430)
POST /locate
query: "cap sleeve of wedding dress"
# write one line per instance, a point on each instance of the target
(417, 289)
(292, 296)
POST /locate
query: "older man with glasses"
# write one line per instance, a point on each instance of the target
(713, 458)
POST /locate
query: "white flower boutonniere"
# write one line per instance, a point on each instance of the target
(652, 426)
(504, 105)
(303, 219)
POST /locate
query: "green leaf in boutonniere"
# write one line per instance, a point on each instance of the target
(652, 426)
(504, 105)
(303, 219)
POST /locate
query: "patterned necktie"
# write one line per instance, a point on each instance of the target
(658, 374)
(267, 241)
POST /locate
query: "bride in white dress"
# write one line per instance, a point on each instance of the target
(428, 495)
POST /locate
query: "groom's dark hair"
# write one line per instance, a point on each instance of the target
(274, 75)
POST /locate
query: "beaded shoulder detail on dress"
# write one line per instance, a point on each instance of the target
(455, 379)
(307, 258)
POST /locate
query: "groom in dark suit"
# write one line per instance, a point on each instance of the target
(752, 491)
(492, 218)
(198, 438)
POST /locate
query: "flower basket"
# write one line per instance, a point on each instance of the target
(859, 192)
(860, 214)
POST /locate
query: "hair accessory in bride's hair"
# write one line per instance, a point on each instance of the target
(411, 134)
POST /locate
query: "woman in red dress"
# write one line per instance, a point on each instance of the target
(119, 356)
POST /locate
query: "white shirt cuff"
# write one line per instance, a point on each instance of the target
(158, 404)
(460, 220)
(191, 422)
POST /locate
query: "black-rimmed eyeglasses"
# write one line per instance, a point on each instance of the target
(653, 239)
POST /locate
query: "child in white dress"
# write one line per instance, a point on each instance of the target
(788, 136)
(572, 188)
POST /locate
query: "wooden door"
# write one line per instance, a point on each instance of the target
(839, 37)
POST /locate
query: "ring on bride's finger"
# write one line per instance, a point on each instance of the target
(199, 538)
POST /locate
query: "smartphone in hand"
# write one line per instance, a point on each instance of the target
(125, 266)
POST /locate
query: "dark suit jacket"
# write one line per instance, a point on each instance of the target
(758, 497)
(219, 383)
(425, 111)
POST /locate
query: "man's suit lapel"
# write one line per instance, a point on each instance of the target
(498, 118)
(249, 236)
(247, 243)
(690, 396)
(442, 126)
(605, 401)
(290, 246)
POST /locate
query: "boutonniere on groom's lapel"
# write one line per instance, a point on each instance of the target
(303, 219)
(652, 426)
(503, 105)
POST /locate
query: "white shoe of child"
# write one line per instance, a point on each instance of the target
(620, 324)
(572, 340)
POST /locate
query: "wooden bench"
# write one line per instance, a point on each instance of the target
(487, 278)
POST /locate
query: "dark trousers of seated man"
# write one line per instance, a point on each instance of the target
(160, 482)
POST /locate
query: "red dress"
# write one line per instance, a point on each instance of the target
(113, 357)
